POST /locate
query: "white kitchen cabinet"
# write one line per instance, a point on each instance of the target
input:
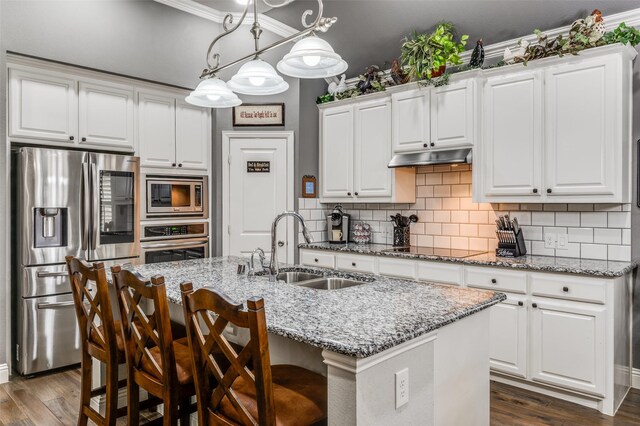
(157, 131)
(336, 152)
(583, 150)
(508, 335)
(452, 115)
(106, 115)
(568, 345)
(372, 177)
(193, 129)
(411, 120)
(43, 106)
(512, 136)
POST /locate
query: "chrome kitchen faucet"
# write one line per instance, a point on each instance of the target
(273, 264)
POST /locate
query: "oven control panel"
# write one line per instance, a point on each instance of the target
(173, 231)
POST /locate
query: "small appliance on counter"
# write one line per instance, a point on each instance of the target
(401, 230)
(510, 238)
(338, 225)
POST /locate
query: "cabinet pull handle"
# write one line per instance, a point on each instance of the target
(534, 305)
(494, 281)
(535, 190)
(84, 139)
(565, 289)
(71, 138)
(520, 303)
(549, 191)
(353, 263)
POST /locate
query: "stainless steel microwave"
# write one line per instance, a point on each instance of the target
(176, 196)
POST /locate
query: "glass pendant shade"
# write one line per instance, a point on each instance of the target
(257, 77)
(213, 93)
(312, 57)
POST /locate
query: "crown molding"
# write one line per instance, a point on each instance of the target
(197, 9)
(496, 50)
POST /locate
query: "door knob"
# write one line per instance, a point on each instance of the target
(280, 243)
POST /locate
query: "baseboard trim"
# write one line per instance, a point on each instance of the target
(635, 378)
(4, 373)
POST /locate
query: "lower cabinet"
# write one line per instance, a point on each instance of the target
(509, 336)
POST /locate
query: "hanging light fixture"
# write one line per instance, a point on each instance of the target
(310, 57)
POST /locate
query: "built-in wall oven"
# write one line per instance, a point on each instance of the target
(171, 242)
(175, 196)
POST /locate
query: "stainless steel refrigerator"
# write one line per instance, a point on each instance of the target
(65, 203)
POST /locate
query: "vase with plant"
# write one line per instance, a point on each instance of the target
(425, 56)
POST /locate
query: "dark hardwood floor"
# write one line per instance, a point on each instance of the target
(52, 399)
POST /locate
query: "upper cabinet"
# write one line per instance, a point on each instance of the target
(559, 132)
(410, 111)
(193, 133)
(355, 148)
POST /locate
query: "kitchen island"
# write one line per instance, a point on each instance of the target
(361, 336)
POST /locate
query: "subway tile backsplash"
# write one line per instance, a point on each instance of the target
(448, 218)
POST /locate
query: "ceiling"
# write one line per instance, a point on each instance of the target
(374, 29)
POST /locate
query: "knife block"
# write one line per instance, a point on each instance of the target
(517, 249)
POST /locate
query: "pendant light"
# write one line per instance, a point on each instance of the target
(213, 93)
(312, 57)
(257, 77)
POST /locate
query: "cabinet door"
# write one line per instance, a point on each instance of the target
(336, 152)
(583, 128)
(410, 112)
(43, 106)
(452, 115)
(192, 136)
(156, 124)
(372, 149)
(508, 336)
(568, 345)
(106, 115)
(511, 147)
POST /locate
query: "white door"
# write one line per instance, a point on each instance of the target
(192, 136)
(372, 149)
(411, 116)
(583, 119)
(257, 185)
(452, 115)
(511, 147)
(336, 152)
(43, 106)
(157, 130)
(508, 336)
(568, 345)
(106, 115)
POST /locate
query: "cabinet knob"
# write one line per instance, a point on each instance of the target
(565, 289)
(520, 303)
(433, 144)
(280, 243)
(173, 164)
(355, 193)
(71, 138)
(549, 191)
(535, 190)
(84, 139)
(353, 263)
(534, 305)
(426, 145)
(180, 165)
(349, 194)
(315, 260)
(493, 281)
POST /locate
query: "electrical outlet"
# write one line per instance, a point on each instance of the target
(550, 239)
(563, 241)
(402, 387)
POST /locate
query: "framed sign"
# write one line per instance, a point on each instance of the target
(258, 166)
(247, 115)
(309, 186)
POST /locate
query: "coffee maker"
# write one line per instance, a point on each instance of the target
(338, 223)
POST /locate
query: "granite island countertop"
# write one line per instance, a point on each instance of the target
(597, 268)
(358, 321)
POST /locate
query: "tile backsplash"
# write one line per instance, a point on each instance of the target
(449, 219)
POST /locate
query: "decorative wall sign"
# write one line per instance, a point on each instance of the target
(258, 166)
(247, 115)
(309, 187)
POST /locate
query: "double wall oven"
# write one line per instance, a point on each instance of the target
(175, 217)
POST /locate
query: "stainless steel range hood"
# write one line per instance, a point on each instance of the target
(428, 158)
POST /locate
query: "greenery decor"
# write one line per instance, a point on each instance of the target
(424, 54)
(623, 34)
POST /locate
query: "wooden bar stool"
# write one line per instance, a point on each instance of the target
(155, 362)
(101, 338)
(245, 389)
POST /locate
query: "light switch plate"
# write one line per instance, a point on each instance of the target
(402, 387)
(563, 241)
(550, 240)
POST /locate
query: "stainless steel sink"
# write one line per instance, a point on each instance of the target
(330, 283)
(292, 277)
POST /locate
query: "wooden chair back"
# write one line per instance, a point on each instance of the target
(217, 365)
(150, 330)
(90, 290)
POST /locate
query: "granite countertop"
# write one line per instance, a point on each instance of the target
(358, 321)
(597, 268)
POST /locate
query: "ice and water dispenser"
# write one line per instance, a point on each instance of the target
(50, 227)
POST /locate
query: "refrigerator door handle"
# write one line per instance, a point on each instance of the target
(55, 305)
(48, 274)
(86, 202)
(95, 210)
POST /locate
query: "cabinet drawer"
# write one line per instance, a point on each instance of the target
(311, 258)
(571, 288)
(495, 279)
(397, 268)
(355, 263)
(440, 272)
